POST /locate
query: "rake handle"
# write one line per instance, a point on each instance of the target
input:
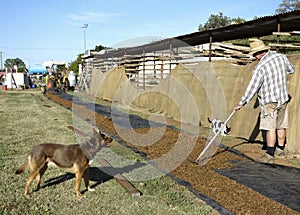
(214, 137)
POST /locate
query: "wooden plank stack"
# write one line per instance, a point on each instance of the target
(235, 54)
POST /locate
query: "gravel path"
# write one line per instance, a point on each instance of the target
(234, 183)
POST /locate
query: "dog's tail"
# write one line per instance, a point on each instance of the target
(209, 120)
(21, 169)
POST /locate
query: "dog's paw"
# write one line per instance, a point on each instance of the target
(27, 196)
(91, 189)
(79, 195)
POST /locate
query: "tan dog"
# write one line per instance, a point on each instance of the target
(71, 158)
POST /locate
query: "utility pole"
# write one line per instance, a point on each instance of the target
(84, 37)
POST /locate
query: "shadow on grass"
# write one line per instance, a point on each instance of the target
(95, 175)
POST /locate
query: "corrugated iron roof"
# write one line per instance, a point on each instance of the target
(263, 26)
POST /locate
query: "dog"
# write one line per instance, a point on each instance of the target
(71, 158)
(217, 125)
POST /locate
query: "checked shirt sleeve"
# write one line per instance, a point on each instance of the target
(289, 67)
(253, 86)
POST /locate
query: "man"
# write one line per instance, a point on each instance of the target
(269, 82)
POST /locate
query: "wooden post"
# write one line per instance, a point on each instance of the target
(162, 67)
(171, 48)
(129, 187)
(278, 36)
(154, 66)
(144, 79)
(210, 46)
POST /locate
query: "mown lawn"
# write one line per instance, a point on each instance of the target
(26, 119)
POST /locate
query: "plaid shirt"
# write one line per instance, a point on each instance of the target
(269, 80)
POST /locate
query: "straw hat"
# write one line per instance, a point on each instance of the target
(257, 46)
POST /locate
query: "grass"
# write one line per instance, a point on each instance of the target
(27, 119)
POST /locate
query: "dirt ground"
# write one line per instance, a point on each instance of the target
(235, 197)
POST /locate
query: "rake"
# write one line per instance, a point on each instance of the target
(202, 161)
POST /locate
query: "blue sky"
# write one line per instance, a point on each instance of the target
(37, 31)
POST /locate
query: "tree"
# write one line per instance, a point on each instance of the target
(74, 65)
(237, 20)
(99, 48)
(288, 5)
(11, 62)
(219, 20)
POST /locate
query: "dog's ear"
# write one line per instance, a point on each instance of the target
(228, 129)
(95, 133)
(102, 135)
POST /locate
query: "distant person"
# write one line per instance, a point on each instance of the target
(269, 82)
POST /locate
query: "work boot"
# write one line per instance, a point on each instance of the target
(279, 153)
(266, 159)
